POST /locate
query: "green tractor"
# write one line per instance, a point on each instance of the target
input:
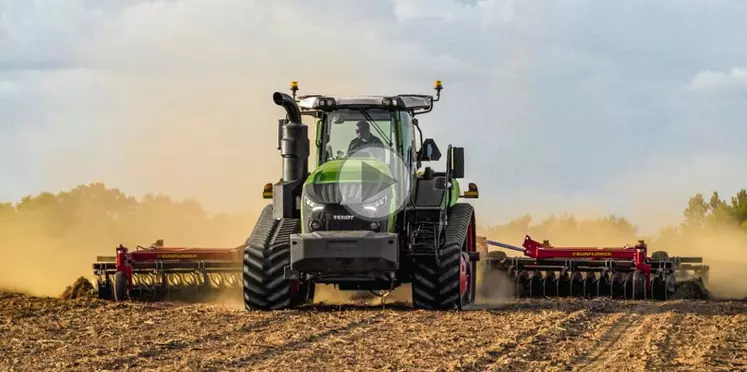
(369, 217)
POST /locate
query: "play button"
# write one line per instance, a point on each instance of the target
(376, 185)
(374, 181)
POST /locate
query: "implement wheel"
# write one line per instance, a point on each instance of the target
(120, 286)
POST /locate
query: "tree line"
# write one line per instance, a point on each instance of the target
(50, 239)
(94, 214)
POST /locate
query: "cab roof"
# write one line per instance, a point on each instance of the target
(403, 101)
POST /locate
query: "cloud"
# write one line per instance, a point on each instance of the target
(735, 80)
(485, 11)
(555, 103)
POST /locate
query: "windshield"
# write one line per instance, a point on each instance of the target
(349, 130)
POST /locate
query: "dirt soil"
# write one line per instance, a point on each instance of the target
(545, 335)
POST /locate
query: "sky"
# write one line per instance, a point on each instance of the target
(580, 106)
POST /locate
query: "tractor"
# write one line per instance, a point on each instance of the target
(371, 215)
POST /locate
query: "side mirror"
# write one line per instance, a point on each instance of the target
(457, 162)
(429, 151)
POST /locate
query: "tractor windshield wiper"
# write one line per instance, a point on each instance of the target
(371, 123)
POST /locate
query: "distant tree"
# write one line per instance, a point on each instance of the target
(739, 207)
(696, 212)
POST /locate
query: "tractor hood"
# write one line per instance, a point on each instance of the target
(351, 178)
(346, 171)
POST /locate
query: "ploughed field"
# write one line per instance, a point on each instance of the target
(559, 334)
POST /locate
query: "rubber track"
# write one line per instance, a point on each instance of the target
(266, 254)
(436, 286)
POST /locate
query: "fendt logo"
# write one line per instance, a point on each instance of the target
(342, 217)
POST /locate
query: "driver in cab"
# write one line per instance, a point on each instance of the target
(363, 138)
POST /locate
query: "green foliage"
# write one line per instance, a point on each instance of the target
(107, 216)
(716, 212)
(701, 217)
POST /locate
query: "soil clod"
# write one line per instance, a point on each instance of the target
(81, 288)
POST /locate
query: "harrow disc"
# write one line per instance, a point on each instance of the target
(153, 286)
(623, 272)
(576, 288)
(536, 287)
(563, 284)
(550, 284)
(603, 284)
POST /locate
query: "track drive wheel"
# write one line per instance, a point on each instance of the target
(448, 284)
(266, 255)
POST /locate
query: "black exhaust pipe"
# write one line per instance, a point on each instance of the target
(294, 148)
(290, 106)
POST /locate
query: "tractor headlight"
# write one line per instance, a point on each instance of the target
(312, 205)
(375, 206)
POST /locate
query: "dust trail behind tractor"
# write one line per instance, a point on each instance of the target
(157, 272)
(619, 272)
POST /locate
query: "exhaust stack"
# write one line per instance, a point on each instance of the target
(294, 148)
(294, 142)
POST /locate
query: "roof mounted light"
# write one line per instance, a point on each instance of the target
(294, 88)
(325, 103)
(391, 102)
(438, 85)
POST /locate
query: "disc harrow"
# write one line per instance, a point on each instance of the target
(157, 272)
(619, 272)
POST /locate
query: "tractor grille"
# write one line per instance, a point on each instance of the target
(336, 217)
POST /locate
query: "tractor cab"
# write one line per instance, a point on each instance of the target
(353, 132)
(380, 132)
(347, 124)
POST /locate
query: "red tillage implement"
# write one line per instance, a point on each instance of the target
(155, 272)
(619, 272)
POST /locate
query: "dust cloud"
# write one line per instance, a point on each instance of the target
(45, 250)
(723, 250)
